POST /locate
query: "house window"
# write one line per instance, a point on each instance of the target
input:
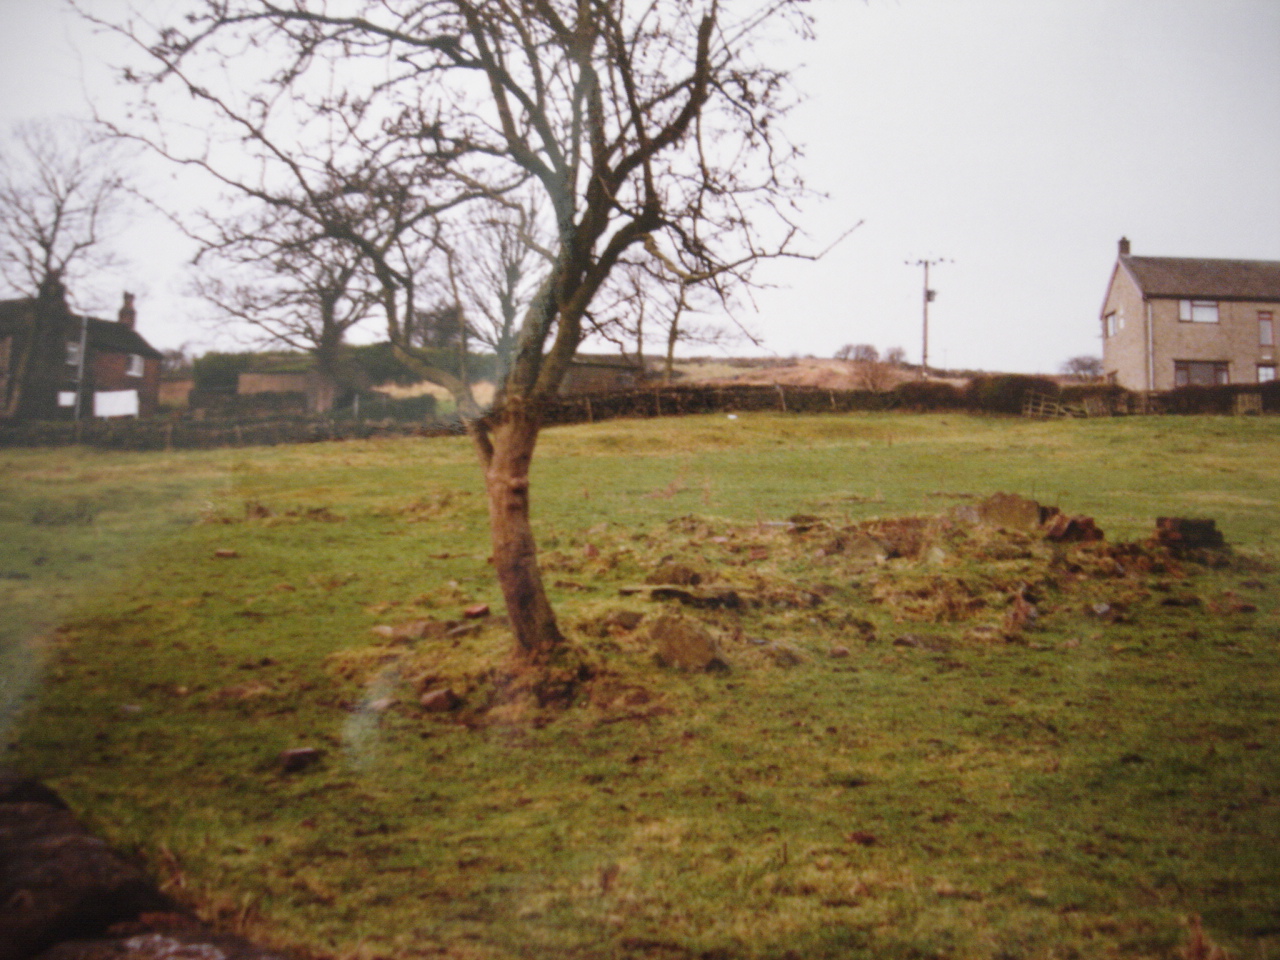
(66, 398)
(135, 366)
(1201, 373)
(1266, 329)
(73, 353)
(1198, 311)
(1266, 372)
(1115, 323)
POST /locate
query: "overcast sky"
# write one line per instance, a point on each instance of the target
(1018, 139)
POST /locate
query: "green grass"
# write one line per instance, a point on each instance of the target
(950, 788)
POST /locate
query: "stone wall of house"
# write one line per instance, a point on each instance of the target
(1124, 351)
(1232, 340)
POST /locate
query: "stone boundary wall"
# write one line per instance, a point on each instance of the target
(915, 396)
(65, 895)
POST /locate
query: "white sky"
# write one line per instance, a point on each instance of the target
(1017, 138)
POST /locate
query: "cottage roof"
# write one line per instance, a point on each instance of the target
(104, 335)
(1201, 279)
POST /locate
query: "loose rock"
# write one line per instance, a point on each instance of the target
(440, 700)
(298, 759)
(685, 644)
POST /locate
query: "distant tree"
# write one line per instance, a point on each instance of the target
(895, 356)
(858, 353)
(61, 193)
(176, 360)
(277, 274)
(1083, 368)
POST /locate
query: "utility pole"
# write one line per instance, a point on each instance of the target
(929, 296)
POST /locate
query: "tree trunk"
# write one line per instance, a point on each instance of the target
(506, 451)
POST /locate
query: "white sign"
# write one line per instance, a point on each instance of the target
(115, 403)
(66, 398)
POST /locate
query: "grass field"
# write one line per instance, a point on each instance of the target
(899, 761)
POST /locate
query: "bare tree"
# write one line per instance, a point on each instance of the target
(650, 125)
(279, 274)
(60, 195)
(895, 356)
(1083, 368)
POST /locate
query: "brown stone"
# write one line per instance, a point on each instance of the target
(225, 553)
(56, 880)
(684, 644)
(440, 700)
(476, 611)
(785, 654)
(1064, 529)
(837, 653)
(1184, 532)
(298, 759)
(411, 630)
(675, 574)
(1010, 512)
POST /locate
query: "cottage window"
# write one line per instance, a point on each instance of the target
(1115, 323)
(73, 353)
(1201, 373)
(1198, 311)
(135, 367)
(66, 398)
(1266, 372)
(1266, 329)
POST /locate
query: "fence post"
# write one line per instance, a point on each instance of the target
(782, 397)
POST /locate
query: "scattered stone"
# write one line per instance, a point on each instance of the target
(706, 598)
(785, 654)
(169, 945)
(685, 644)
(862, 837)
(1180, 533)
(56, 880)
(863, 548)
(253, 510)
(623, 620)
(1022, 614)
(440, 700)
(837, 653)
(381, 705)
(804, 522)
(297, 759)
(1009, 511)
(225, 553)
(412, 630)
(675, 574)
(1064, 529)
(463, 630)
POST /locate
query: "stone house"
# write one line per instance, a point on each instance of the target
(55, 365)
(1171, 322)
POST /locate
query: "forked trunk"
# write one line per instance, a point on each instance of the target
(506, 450)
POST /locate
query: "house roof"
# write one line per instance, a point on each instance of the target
(1193, 278)
(104, 335)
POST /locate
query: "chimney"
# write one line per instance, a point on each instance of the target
(127, 315)
(1124, 246)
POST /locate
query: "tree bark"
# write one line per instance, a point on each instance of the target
(506, 442)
